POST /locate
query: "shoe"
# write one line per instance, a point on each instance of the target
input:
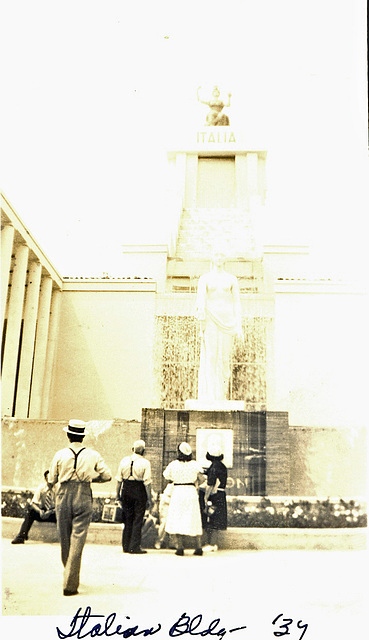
(179, 552)
(197, 552)
(210, 547)
(138, 551)
(18, 540)
(157, 545)
(67, 592)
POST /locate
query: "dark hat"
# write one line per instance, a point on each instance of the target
(75, 428)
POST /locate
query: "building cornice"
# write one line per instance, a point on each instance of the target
(9, 216)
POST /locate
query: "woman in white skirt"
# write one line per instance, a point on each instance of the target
(184, 517)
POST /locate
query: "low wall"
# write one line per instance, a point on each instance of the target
(327, 461)
(28, 447)
(234, 538)
(319, 461)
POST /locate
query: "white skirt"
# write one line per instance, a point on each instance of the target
(184, 515)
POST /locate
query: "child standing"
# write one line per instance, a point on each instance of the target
(163, 514)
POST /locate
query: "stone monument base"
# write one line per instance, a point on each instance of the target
(261, 454)
(219, 405)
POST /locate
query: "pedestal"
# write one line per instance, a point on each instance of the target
(261, 450)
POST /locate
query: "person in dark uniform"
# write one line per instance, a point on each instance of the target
(212, 498)
(133, 492)
(75, 467)
(41, 508)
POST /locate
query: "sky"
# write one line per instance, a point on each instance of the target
(94, 93)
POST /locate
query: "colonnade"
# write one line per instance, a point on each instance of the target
(30, 301)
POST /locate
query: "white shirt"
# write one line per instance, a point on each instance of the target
(141, 469)
(180, 472)
(40, 494)
(90, 465)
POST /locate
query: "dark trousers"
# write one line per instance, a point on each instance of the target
(134, 498)
(29, 519)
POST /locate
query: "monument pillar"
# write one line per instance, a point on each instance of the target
(252, 174)
(221, 181)
(241, 181)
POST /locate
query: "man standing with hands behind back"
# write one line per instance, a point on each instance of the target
(134, 474)
(75, 467)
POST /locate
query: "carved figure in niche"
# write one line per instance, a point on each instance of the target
(215, 117)
(218, 309)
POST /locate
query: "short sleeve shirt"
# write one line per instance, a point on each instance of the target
(182, 472)
(89, 465)
(141, 469)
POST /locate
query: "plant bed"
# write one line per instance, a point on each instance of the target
(243, 512)
(293, 513)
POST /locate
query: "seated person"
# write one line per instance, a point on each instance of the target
(41, 508)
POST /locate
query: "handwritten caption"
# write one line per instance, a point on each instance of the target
(85, 624)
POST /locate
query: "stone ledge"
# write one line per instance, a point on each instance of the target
(221, 405)
(256, 539)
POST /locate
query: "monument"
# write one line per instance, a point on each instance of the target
(214, 319)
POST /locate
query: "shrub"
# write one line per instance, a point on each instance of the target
(296, 513)
(265, 513)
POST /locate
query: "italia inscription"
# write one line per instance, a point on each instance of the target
(220, 136)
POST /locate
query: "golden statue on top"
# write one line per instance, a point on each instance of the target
(216, 117)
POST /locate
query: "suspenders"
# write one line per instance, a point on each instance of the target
(131, 471)
(75, 460)
(131, 475)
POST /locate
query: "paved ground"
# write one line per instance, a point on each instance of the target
(325, 589)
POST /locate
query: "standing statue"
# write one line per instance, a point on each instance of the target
(215, 117)
(218, 309)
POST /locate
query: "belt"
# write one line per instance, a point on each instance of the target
(184, 484)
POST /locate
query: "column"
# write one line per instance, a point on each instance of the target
(53, 335)
(241, 181)
(28, 340)
(7, 237)
(15, 311)
(252, 174)
(40, 348)
(270, 365)
(179, 200)
(191, 181)
(181, 160)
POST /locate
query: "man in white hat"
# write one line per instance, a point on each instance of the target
(134, 492)
(75, 467)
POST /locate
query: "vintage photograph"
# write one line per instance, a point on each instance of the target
(184, 196)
